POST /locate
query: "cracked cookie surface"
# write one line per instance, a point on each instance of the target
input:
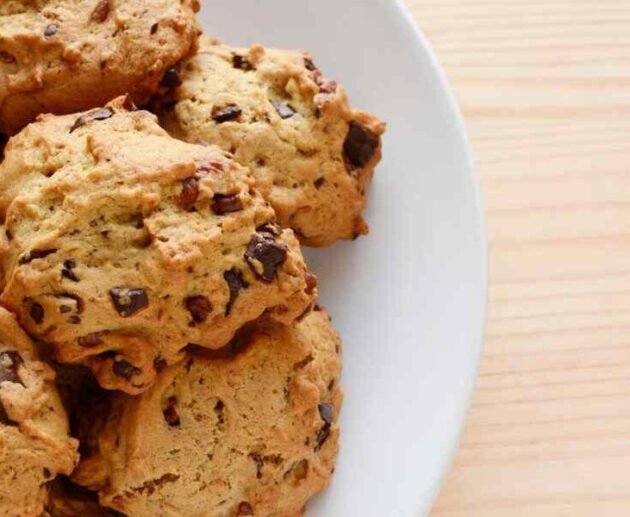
(313, 156)
(251, 434)
(62, 56)
(121, 245)
(35, 444)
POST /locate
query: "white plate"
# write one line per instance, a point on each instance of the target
(409, 299)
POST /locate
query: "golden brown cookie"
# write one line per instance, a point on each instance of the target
(122, 245)
(312, 155)
(253, 434)
(34, 442)
(62, 56)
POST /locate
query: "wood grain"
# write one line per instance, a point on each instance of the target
(545, 90)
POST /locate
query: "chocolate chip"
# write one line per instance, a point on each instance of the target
(270, 228)
(226, 114)
(190, 192)
(360, 146)
(325, 85)
(154, 28)
(74, 320)
(101, 11)
(244, 508)
(222, 205)
(67, 271)
(199, 308)
(125, 369)
(284, 109)
(47, 473)
(35, 255)
(77, 300)
(311, 282)
(128, 300)
(159, 364)
(308, 63)
(265, 256)
(91, 340)
(170, 413)
(241, 63)
(97, 114)
(209, 166)
(51, 30)
(319, 182)
(171, 78)
(7, 58)
(236, 282)
(9, 362)
(327, 412)
(37, 313)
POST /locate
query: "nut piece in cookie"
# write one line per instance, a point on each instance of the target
(250, 432)
(60, 57)
(35, 444)
(122, 245)
(313, 156)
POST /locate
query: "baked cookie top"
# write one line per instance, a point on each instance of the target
(251, 434)
(313, 156)
(121, 245)
(62, 56)
(35, 444)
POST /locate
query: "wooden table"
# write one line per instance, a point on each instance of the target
(545, 89)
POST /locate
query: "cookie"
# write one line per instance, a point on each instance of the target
(313, 156)
(252, 434)
(122, 245)
(62, 56)
(70, 500)
(34, 442)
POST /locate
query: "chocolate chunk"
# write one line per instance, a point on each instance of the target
(244, 508)
(159, 364)
(68, 270)
(128, 300)
(171, 78)
(9, 362)
(51, 30)
(77, 300)
(37, 313)
(35, 255)
(241, 63)
(236, 282)
(97, 114)
(190, 192)
(360, 146)
(265, 256)
(7, 58)
(322, 436)
(222, 205)
(327, 412)
(199, 308)
(284, 109)
(226, 114)
(125, 369)
(154, 28)
(74, 320)
(91, 340)
(319, 182)
(311, 282)
(101, 11)
(170, 413)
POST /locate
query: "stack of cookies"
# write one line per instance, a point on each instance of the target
(162, 352)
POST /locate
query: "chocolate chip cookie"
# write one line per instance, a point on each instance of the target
(121, 245)
(312, 155)
(34, 442)
(250, 434)
(62, 56)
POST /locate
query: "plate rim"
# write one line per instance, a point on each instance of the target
(480, 222)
